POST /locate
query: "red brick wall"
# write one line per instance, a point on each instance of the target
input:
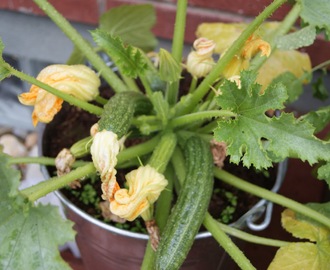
(85, 11)
(88, 11)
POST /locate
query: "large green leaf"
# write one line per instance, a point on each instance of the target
(129, 59)
(254, 137)
(316, 13)
(132, 23)
(30, 235)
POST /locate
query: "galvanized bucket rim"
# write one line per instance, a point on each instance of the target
(245, 220)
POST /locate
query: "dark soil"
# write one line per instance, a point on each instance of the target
(72, 124)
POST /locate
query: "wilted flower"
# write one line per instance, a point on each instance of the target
(144, 187)
(77, 80)
(104, 150)
(254, 45)
(219, 152)
(242, 61)
(106, 213)
(200, 61)
(64, 161)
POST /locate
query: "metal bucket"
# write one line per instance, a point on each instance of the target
(103, 246)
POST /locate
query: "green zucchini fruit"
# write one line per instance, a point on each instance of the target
(189, 211)
(120, 109)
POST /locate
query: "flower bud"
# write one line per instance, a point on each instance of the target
(204, 46)
(81, 147)
(200, 61)
(77, 80)
(144, 187)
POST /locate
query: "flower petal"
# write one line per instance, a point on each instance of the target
(144, 187)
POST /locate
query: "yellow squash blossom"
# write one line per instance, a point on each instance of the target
(104, 151)
(252, 46)
(144, 187)
(200, 61)
(76, 80)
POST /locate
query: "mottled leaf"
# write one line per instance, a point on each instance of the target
(252, 135)
(30, 235)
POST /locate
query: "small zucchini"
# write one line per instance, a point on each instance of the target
(190, 208)
(120, 109)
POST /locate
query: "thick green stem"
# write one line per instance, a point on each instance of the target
(138, 150)
(208, 128)
(110, 77)
(179, 164)
(163, 152)
(177, 45)
(193, 117)
(101, 100)
(271, 196)
(66, 97)
(193, 84)
(146, 86)
(203, 88)
(38, 191)
(226, 243)
(250, 237)
(29, 160)
(159, 160)
(164, 202)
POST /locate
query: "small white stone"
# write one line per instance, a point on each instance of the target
(13, 146)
